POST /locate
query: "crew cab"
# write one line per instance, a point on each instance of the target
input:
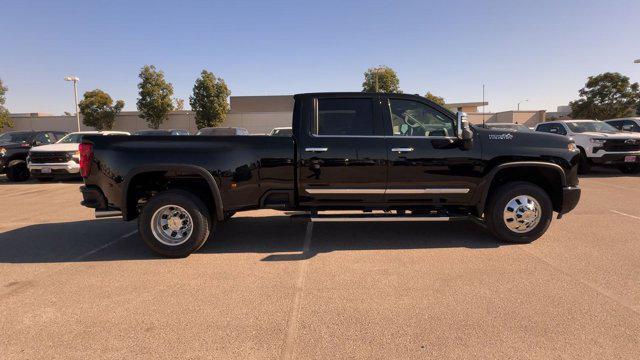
(631, 124)
(14, 148)
(60, 160)
(381, 157)
(599, 143)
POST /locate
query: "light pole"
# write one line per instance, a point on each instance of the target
(375, 71)
(75, 80)
(525, 100)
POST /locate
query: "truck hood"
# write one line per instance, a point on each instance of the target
(66, 147)
(509, 140)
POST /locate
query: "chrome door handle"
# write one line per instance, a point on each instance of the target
(402, 150)
(318, 149)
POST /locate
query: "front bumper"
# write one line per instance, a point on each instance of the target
(570, 198)
(51, 169)
(615, 158)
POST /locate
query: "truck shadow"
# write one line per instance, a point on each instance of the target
(278, 237)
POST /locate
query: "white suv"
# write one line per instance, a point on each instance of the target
(599, 143)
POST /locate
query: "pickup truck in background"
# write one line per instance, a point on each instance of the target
(14, 149)
(599, 144)
(386, 157)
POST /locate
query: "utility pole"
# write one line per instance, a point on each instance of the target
(75, 80)
(521, 102)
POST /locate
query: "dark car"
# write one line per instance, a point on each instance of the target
(161, 132)
(14, 148)
(222, 131)
(384, 157)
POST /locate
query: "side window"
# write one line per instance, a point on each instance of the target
(631, 126)
(412, 118)
(543, 127)
(344, 117)
(560, 129)
(616, 124)
(43, 139)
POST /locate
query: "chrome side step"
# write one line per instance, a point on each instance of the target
(378, 218)
(107, 213)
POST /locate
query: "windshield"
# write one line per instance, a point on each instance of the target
(71, 139)
(16, 137)
(590, 126)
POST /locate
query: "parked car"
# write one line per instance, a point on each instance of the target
(599, 143)
(222, 131)
(349, 151)
(281, 131)
(14, 148)
(161, 132)
(625, 124)
(507, 126)
(60, 160)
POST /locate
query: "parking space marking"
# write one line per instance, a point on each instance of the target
(614, 186)
(292, 331)
(627, 215)
(106, 245)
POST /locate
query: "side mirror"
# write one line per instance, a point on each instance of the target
(463, 130)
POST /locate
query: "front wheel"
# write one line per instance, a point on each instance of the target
(18, 172)
(175, 223)
(519, 212)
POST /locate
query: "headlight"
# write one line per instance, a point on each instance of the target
(75, 156)
(3, 151)
(597, 142)
(572, 146)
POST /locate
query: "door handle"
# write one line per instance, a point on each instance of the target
(314, 149)
(402, 150)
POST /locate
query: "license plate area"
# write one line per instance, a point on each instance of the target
(630, 158)
(46, 170)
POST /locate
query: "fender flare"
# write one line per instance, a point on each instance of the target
(213, 185)
(485, 184)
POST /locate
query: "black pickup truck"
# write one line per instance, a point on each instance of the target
(385, 157)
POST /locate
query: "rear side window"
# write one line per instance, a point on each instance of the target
(615, 124)
(344, 117)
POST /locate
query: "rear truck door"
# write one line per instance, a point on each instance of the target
(342, 159)
(427, 165)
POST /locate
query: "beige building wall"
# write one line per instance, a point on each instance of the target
(528, 118)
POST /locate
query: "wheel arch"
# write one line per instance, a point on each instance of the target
(170, 171)
(549, 176)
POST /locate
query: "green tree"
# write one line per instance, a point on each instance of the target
(381, 79)
(155, 100)
(436, 99)
(179, 103)
(209, 100)
(98, 110)
(606, 96)
(5, 120)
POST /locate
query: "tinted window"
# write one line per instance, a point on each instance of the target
(43, 138)
(590, 126)
(629, 125)
(17, 137)
(543, 127)
(616, 124)
(344, 117)
(412, 118)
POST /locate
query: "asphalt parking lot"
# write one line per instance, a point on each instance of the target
(273, 287)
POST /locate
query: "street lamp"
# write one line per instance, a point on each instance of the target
(75, 80)
(525, 100)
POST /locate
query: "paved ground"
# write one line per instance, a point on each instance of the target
(270, 287)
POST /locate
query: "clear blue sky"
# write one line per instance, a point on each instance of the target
(540, 50)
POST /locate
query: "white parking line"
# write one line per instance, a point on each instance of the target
(621, 187)
(288, 351)
(106, 245)
(621, 213)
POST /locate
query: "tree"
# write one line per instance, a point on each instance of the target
(179, 103)
(209, 100)
(606, 96)
(5, 120)
(436, 99)
(381, 79)
(98, 111)
(155, 101)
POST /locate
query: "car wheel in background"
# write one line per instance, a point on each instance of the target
(175, 223)
(519, 212)
(18, 171)
(630, 168)
(584, 166)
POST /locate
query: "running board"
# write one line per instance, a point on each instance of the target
(380, 218)
(107, 213)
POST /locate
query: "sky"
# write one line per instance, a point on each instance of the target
(542, 51)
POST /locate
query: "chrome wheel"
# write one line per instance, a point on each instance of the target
(171, 225)
(522, 214)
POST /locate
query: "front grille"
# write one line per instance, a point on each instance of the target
(48, 157)
(621, 145)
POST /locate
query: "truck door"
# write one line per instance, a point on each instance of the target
(427, 165)
(342, 158)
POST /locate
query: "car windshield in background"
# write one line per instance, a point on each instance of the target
(16, 137)
(71, 139)
(152, 132)
(281, 132)
(590, 126)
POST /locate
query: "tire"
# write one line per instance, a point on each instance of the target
(630, 168)
(155, 235)
(18, 172)
(498, 212)
(584, 166)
